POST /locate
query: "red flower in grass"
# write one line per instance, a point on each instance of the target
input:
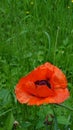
(45, 84)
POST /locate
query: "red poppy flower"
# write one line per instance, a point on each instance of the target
(45, 84)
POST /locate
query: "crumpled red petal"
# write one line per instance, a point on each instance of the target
(33, 89)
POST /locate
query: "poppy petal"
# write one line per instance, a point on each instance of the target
(58, 79)
(60, 96)
(45, 84)
(44, 91)
(22, 96)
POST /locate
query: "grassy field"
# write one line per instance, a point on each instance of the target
(33, 32)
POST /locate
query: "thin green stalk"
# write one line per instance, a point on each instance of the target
(48, 37)
(46, 126)
(65, 107)
(55, 119)
(56, 44)
(7, 111)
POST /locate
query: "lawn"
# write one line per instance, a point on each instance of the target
(33, 32)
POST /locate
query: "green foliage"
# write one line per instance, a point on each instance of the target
(9, 121)
(31, 33)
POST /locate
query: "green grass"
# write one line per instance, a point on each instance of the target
(33, 32)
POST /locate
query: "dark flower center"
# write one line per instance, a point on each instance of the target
(43, 82)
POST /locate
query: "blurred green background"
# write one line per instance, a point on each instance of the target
(33, 32)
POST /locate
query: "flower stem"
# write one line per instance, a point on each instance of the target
(65, 107)
(46, 127)
(55, 119)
